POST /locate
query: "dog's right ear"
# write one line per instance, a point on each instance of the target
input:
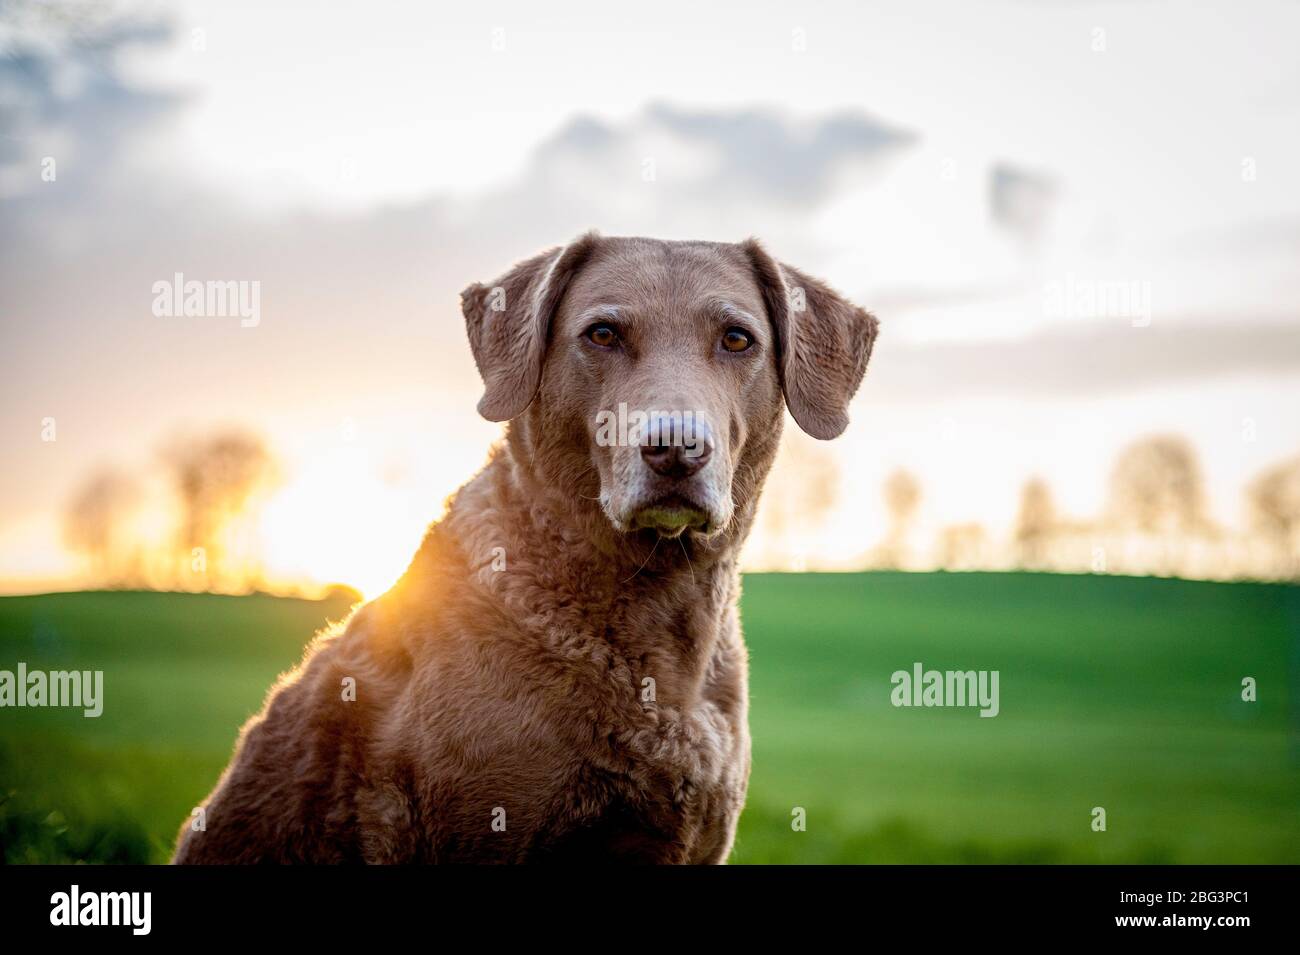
(508, 322)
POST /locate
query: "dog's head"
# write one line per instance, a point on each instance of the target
(653, 372)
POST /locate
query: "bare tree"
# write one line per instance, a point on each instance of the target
(1273, 498)
(902, 497)
(95, 524)
(1036, 523)
(802, 491)
(962, 546)
(1156, 487)
(216, 476)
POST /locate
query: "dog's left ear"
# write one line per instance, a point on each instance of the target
(823, 343)
(508, 322)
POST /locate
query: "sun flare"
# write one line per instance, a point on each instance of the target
(339, 522)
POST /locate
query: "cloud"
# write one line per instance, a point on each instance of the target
(840, 193)
(65, 96)
(676, 173)
(1020, 201)
(83, 253)
(754, 153)
(1090, 360)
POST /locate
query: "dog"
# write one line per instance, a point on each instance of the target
(559, 675)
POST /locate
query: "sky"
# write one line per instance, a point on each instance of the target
(1078, 224)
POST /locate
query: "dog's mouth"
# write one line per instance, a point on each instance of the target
(671, 516)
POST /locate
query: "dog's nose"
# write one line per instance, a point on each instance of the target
(676, 448)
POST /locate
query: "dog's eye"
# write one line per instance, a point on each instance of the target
(602, 335)
(736, 340)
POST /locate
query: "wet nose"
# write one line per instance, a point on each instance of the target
(676, 448)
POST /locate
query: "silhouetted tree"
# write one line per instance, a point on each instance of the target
(902, 497)
(1156, 487)
(1035, 524)
(215, 476)
(95, 524)
(1273, 498)
(962, 546)
(802, 492)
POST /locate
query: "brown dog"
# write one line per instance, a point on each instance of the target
(559, 675)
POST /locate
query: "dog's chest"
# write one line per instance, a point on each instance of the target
(602, 755)
(657, 813)
(663, 787)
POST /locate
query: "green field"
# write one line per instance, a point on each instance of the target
(1115, 692)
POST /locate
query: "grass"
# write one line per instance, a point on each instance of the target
(1120, 693)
